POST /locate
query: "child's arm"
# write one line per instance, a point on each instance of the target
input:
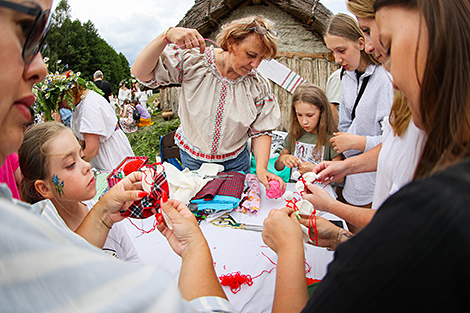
(344, 141)
(286, 159)
(92, 146)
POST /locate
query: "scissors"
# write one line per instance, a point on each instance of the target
(227, 220)
(218, 176)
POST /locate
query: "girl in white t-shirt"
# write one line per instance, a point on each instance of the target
(312, 125)
(52, 164)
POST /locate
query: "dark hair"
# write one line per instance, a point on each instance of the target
(445, 87)
(33, 157)
(313, 95)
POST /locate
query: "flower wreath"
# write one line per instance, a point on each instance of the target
(55, 86)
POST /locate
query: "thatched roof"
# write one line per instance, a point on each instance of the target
(205, 15)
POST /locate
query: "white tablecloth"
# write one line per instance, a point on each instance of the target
(233, 250)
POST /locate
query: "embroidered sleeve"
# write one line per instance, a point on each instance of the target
(269, 114)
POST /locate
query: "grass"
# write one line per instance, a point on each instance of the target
(146, 140)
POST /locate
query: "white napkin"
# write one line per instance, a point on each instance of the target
(184, 185)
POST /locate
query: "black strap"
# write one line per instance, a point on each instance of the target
(359, 95)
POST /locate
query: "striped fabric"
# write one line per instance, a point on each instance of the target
(44, 268)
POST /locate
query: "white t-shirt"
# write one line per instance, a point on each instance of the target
(94, 115)
(397, 161)
(118, 243)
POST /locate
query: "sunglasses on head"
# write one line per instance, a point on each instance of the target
(262, 30)
(35, 39)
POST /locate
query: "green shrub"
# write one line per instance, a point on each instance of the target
(146, 140)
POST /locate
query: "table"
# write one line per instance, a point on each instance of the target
(233, 250)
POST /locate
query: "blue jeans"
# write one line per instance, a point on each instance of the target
(240, 163)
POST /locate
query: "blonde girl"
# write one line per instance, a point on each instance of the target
(312, 125)
(53, 168)
(367, 96)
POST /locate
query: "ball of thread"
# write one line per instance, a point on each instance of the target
(235, 281)
(274, 191)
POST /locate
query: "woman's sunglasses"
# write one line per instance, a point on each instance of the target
(35, 39)
(263, 30)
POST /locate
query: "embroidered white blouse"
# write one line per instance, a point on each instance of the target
(216, 113)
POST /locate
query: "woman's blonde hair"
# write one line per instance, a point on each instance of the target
(361, 8)
(343, 25)
(238, 30)
(400, 114)
(34, 157)
(313, 95)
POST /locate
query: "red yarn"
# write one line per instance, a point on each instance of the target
(155, 223)
(235, 281)
(132, 166)
(313, 222)
(311, 281)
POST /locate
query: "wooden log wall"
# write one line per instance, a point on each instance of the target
(315, 70)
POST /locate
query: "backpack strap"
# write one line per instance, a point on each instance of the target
(359, 95)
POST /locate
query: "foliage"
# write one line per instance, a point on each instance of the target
(146, 140)
(56, 87)
(81, 47)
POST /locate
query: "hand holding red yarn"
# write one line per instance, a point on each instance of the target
(186, 38)
(120, 197)
(282, 230)
(326, 232)
(319, 197)
(185, 233)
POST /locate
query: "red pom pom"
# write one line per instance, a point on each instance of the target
(132, 166)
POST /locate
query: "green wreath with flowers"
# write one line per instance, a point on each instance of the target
(57, 87)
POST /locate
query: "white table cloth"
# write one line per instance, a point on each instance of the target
(233, 250)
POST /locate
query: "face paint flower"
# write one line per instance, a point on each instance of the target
(59, 185)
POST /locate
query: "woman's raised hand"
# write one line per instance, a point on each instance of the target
(186, 38)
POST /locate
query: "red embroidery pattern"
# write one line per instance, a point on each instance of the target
(200, 155)
(219, 118)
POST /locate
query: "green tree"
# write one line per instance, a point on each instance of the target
(79, 47)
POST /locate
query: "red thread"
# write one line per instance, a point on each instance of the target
(155, 223)
(235, 281)
(313, 222)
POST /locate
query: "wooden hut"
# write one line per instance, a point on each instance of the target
(300, 25)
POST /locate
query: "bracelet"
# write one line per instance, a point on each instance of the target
(105, 224)
(166, 34)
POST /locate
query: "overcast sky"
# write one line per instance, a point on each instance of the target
(129, 25)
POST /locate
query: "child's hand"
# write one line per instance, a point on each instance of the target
(290, 161)
(120, 197)
(306, 167)
(344, 141)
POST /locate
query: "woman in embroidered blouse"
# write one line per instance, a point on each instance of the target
(242, 104)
